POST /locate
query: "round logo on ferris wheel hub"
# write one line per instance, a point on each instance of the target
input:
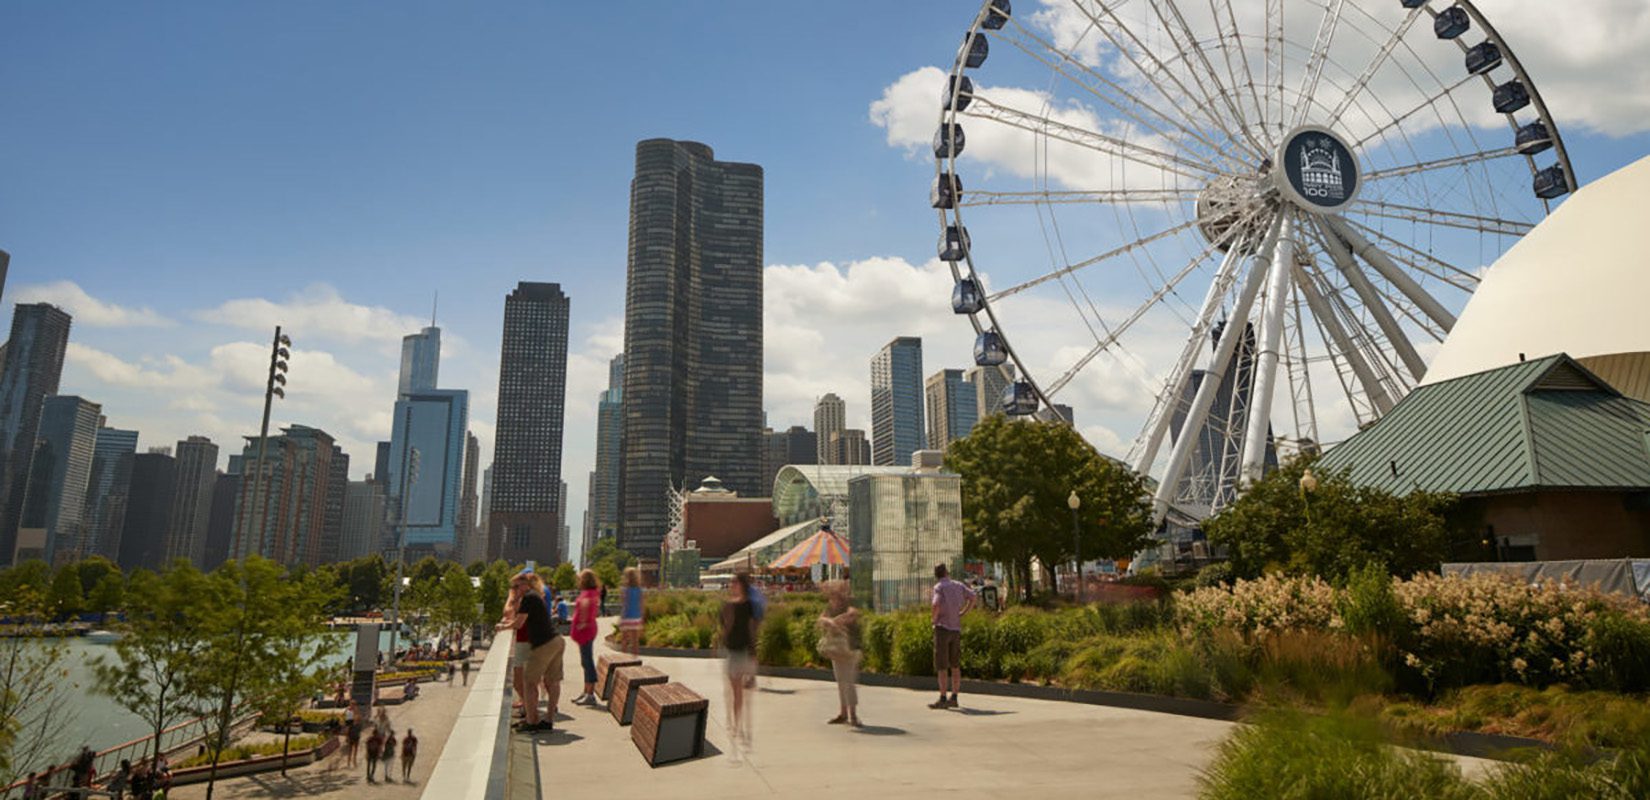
(1317, 170)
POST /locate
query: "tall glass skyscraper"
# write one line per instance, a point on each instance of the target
(420, 360)
(604, 486)
(952, 407)
(60, 473)
(435, 422)
(107, 490)
(693, 333)
(896, 402)
(33, 366)
(532, 392)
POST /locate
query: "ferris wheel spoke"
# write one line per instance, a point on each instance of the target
(1089, 262)
(1168, 287)
(1274, 56)
(1237, 130)
(1450, 219)
(1453, 276)
(1458, 160)
(1371, 298)
(1337, 338)
(1099, 196)
(1071, 68)
(1383, 264)
(1362, 81)
(1247, 77)
(1314, 63)
(1399, 119)
(984, 108)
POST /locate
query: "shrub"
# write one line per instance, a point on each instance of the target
(1047, 661)
(773, 641)
(877, 633)
(1368, 605)
(913, 652)
(241, 752)
(804, 635)
(1620, 652)
(1217, 574)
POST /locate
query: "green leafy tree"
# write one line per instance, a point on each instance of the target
(495, 589)
(1016, 478)
(606, 549)
(608, 573)
(427, 569)
(37, 698)
(296, 666)
(32, 578)
(108, 595)
(366, 579)
(92, 571)
(66, 597)
(163, 635)
(476, 568)
(1332, 531)
(564, 578)
(455, 602)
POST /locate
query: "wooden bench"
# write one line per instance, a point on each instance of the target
(627, 682)
(669, 723)
(605, 667)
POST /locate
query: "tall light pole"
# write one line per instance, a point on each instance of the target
(273, 388)
(409, 475)
(1073, 502)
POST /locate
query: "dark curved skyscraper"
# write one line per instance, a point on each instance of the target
(693, 333)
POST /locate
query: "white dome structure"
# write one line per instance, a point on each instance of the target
(1578, 283)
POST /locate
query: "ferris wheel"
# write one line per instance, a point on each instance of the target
(1230, 230)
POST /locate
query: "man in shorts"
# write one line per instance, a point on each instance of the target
(544, 654)
(950, 601)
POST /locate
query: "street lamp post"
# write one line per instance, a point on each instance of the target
(273, 387)
(1073, 502)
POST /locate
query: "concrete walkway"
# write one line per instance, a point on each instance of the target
(994, 745)
(430, 717)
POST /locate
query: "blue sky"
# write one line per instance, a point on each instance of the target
(198, 170)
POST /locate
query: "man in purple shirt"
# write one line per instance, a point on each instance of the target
(951, 600)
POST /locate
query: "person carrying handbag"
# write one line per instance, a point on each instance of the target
(838, 628)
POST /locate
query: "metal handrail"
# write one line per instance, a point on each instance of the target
(174, 739)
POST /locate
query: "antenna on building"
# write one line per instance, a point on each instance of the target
(434, 299)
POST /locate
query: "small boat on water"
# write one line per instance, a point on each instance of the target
(102, 637)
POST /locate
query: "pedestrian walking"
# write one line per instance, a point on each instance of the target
(409, 752)
(375, 748)
(381, 721)
(839, 641)
(466, 670)
(630, 617)
(389, 757)
(352, 741)
(739, 640)
(143, 783)
(84, 767)
(452, 670)
(949, 602)
(585, 609)
(121, 780)
(604, 599)
(544, 664)
(34, 789)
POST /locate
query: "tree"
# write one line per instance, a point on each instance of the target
(606, 549)
(1332, 531)
(32, 578)
(366, 578)
(495, 589)
(455, 602)
(164, 633)
(1016, 478)
(427, 569)
(607, 573)
(65, 597)
(296, 668)
(564, 578)
(92, 571)
(36, 698)
(108, 595)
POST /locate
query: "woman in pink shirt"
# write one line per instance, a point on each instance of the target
(585, 610)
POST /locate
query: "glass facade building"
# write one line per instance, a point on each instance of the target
(434, 423)
(33, 366)
(903, 525)
(896, 402)
(952, 407)
(420, 361)
(106, 490)
(693, 333)
(60, 473)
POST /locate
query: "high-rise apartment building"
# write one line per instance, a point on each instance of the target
(693, 333)
(434, 423)
(797, 445)
(896, 402)
(989, 385)
(420, 361)
(532, 391)
(604, 481)
(952, 407)
(830, 416)
(588, 539)
(197, 476)
(363, 528)
(332, 528)
(107, 489)
(32, 368)
(220, 523)
(148, 512)
(849, 447)
(61, 470)
(281, 511)
(472, 545)
(491, 543)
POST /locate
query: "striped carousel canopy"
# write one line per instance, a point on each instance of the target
(824, 547)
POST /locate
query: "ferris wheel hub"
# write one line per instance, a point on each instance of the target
(1317, 171)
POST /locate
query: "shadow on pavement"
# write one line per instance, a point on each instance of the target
(556, 738)
(296, 785)
(766, 690)
(981, 712)
(879, 730)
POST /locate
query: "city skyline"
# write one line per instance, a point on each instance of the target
(171, 298)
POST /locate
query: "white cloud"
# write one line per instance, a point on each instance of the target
(88, 310)
(169, 372)
(318, 311)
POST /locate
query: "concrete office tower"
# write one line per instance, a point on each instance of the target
(420, 361)
(107, 490)
(332, 528)
(148, 512)
(490, 542)
(693, 333)
(435, 422)
(588, 539)
(797, 445)
(363, 528)
(604, 486)
(472, 546)
(55, 502)
(33, 366)
(532, 391)
(220, 523)
(197, 476)
(281, 511)
(989, 384)
(896, 402)
(850, 448)
(952, 406)
(830, 416)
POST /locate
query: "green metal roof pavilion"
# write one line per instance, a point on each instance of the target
(1547, 423)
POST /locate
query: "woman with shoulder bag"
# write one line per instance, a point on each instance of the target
(838, 627)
